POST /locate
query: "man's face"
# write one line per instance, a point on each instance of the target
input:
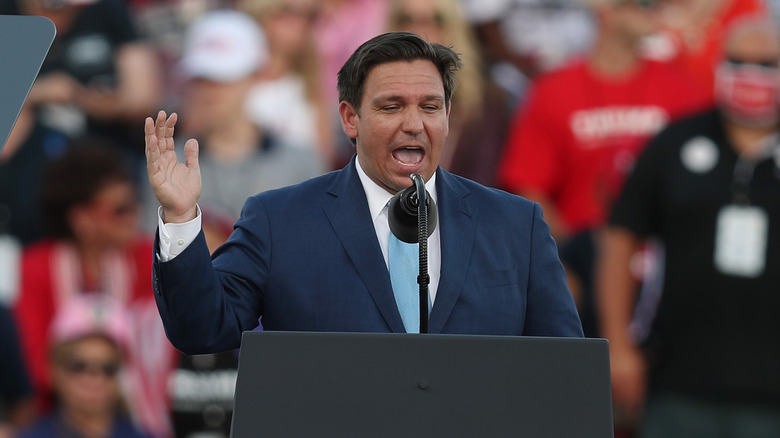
(209, 104)
(638, 18)
(402, 122)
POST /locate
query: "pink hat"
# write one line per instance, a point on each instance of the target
(91, 314)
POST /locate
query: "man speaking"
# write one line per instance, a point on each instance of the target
(319, 256)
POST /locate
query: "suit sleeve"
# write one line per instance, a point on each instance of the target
(206, 305)
(551, 310)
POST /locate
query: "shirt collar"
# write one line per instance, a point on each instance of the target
(378, 197)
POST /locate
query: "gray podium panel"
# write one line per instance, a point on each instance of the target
(24, 43)
(299, 384)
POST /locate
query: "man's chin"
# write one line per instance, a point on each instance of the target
(404, 181)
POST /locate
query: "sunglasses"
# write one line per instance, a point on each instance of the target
(770, 63)
(125, 209)
(644, 4)
(93, 368)
(122, 209)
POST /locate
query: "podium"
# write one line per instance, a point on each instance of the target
(24, 44)
(302, 384)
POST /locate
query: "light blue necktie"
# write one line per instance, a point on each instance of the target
(403, 259)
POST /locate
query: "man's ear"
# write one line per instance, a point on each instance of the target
(349, 119)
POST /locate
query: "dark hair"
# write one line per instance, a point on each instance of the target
(87, 166)
(392, 47)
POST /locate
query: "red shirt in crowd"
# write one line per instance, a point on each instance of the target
(578, 135)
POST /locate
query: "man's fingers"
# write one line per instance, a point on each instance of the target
(148, 131)
(169, 125)
(151, 140)
(191, 154)
(148, 126)
(165, 131)
(160, 124)
(160, 145)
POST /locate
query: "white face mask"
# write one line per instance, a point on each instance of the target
(748, 94)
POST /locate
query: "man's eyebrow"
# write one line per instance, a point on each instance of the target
(397, 98)
(433, 98)
(387, 99)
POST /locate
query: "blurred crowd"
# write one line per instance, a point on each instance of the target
(646, 129)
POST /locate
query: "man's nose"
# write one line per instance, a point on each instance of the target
(413, 121)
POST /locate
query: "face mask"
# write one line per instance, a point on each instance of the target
(748, 93)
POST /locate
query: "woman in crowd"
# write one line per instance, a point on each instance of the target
(286, 99)
(91, 210)
(89, 340)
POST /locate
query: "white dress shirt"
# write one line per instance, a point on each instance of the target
(175, 238)
(377, 203)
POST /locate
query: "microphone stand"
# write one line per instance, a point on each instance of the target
(423, 279)
(410, 220)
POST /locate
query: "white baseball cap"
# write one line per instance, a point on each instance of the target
(224, 46)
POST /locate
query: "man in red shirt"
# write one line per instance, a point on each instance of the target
(577, 135)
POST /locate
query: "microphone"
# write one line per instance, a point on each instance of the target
(403, 211)
(412, 218)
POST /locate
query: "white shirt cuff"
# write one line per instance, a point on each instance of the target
(175, 238)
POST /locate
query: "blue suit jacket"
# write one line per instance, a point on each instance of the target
(306, 257)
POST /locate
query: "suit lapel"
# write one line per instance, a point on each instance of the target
(457, 220)
(349, 215)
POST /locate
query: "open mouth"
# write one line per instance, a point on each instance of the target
(409, 156)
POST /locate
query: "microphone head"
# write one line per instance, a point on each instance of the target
(402, 214)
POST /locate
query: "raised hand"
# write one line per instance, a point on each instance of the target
(176, 185)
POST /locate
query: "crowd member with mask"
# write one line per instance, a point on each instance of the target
(580, 129)
(577, 135)
(693, 32)
(707, 186)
